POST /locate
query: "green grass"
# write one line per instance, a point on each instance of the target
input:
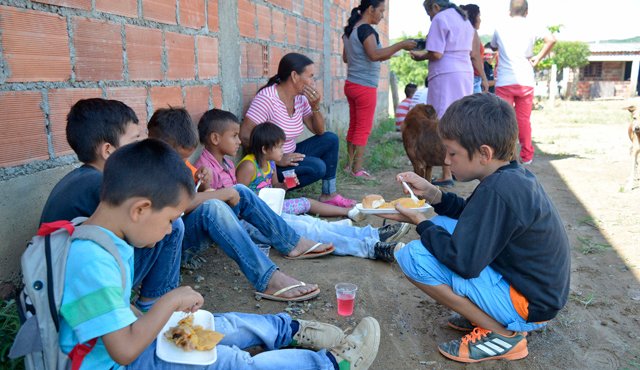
(588, 246)
(585, 300)
(9, 326)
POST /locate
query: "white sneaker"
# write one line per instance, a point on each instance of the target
(317, 335)
(356, 215)
(346, 222)
(358, 350)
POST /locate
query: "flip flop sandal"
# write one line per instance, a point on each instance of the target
(277, 295)
(363, 174)
(340, 201)
(309, 253)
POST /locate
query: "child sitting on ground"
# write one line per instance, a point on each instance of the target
(219, 130)
(499, 258)
(257, 170)
(212, 217)
(145, 188)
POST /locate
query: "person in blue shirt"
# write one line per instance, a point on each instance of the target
(145, 188)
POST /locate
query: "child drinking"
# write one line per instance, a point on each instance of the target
(257, 170)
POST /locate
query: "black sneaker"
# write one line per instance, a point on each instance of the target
(393, 232)
(483, 345)
(384, 251)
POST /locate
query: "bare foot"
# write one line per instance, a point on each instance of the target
(279, 280)
(304, 245)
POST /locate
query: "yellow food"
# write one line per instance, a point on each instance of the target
(191, 337)
(405, 202)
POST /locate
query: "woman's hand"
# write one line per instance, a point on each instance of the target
(313, 96)
(418, 55)
(408, 44)
(290, 159)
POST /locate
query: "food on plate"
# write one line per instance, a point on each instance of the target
(191, 337)
(374, 201)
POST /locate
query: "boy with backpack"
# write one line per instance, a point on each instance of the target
(499, 258)
(95, 129)
(145, 188)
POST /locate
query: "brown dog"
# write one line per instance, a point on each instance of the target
(634, 136)
(421, 141)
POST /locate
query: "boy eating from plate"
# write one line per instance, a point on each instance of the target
(499, 258)
(146, 187)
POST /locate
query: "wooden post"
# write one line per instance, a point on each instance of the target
(393, 83)
(553, 84)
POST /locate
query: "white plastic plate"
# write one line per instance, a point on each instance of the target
(168, 351)
(379, 211)
(274, 197)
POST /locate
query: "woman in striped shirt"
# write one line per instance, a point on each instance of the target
(290, 100)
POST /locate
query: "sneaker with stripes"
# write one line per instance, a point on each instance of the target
(483, 345)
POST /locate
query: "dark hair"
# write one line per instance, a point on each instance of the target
(150, 169)
(289, 63)
(408, 89)
(519, 7)
(426, 81)
(481, 119)
(214, 120)
(445, 4)
(473, 11)
(91, 122)
(356, 14)
(175, 127)
(266, 135)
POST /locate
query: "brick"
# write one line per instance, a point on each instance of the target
(196, 101)
(248, 92)
(180, 55)
(275, 54)
(35, 46)
(292, 30)
(144, 53)
(252, 61)
(135, 97)
(79, 4)
(212, 14)
(60, 101)
(278, 25)
(192, 13)
(207, 57)
(246, 17)
(163, 11)
(298, 6)
(264, 22)
(217, 96)
(127, 8)
(286, 4)
(163, 97)
(24, 135)
(98, 47)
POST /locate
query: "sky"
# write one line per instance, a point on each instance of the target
(583, 20)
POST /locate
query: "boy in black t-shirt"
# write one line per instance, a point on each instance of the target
(499, 258)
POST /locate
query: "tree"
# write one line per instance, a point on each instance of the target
(406, 69)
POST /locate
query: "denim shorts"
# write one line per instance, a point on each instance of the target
(489, 291)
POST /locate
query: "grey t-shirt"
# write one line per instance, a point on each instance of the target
(361, 70)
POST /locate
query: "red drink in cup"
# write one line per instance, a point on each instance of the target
(290, 178)
(346, 295)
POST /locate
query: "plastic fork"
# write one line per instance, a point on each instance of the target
(406, 186)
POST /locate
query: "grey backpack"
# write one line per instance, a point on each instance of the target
(43, 269)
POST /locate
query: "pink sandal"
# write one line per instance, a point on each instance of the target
(341, 201)
(362, 174)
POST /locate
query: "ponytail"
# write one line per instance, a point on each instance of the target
(356, 14)
(289, 63)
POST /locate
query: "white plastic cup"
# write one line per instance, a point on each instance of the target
(346, 296)
(264, 248)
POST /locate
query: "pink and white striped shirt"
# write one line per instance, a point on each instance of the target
(402, 110)
(267, 107)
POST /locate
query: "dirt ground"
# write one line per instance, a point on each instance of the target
(582, 159)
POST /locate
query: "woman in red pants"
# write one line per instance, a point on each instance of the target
(362, 52)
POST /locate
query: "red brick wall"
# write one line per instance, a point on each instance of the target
(147, 53)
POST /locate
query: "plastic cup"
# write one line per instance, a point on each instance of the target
(290, 178)
(346, 295)
(264, 248)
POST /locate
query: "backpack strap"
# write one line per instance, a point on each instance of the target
(98, 236)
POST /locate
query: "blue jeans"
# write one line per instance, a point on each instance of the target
(489, 291)
(158, 268)
(477, 84)
(243, 331)
(348, 240)
(320, 162)
(215, 222)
